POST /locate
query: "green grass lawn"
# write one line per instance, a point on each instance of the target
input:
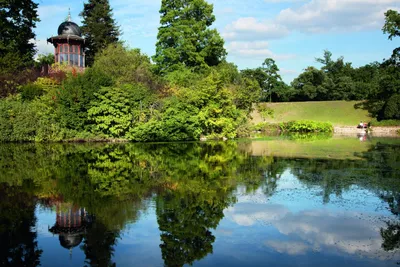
(339, 113)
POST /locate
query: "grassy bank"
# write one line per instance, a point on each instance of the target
(339, 113)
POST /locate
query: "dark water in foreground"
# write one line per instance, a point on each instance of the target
(262, 203)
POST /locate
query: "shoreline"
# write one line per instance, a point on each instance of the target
(378, 131)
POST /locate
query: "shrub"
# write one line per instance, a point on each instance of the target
(30, 91)
(391, 109)
(75, 97)
(306, 127)
(265, 111)
(116, 109)
(375, 122)
(18, 121)
(178, 121)
(126, 66)
(266, 127)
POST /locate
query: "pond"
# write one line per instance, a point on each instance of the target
(271, 202)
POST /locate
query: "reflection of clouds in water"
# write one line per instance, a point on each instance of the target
(349, 232)
(353, 235)
(289, 247)
(247, 214)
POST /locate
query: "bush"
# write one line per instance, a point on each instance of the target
(116, 109)
(126, 66)
(391, 109)
(266, 127)
(265, 111)
(75, 96)
(30, 91)
(178, 121)
(18, 121)
(375, 122)
(306, 127)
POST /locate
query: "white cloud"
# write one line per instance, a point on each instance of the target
(305, 16)
(250, 28)
(344, 232)
(43, 47)
(256, 49)
(318, 16)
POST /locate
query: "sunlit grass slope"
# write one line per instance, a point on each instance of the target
(339, 113)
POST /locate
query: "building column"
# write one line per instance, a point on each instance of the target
(69, 59)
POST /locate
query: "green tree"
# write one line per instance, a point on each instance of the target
(310, 85)
(44, 59)
(392, 24)
(326, 61)
(185, 36)
(99, 27)
(125, 65)
(384, 102)
(267, 77)
(17, 20)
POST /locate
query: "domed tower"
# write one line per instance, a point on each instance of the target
(69, 44)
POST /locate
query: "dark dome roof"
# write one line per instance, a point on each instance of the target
(69, 28)
(70, 240)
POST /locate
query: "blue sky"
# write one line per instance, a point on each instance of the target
(293, 32)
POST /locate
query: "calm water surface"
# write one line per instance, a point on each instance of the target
(331, 202)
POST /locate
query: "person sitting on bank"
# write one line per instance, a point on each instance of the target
(361, 125)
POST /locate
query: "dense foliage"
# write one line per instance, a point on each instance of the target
(120, 97)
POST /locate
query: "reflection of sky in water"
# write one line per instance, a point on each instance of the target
(296, 226)
(293, 227)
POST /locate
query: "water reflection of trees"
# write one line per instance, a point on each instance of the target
(192, 183)
(185, 221)
(18, 245)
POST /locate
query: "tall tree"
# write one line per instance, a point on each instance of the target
(273, 79)
(99, 27)
(392, 27)
(185, 36)
(268, 78)
(17, 20)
